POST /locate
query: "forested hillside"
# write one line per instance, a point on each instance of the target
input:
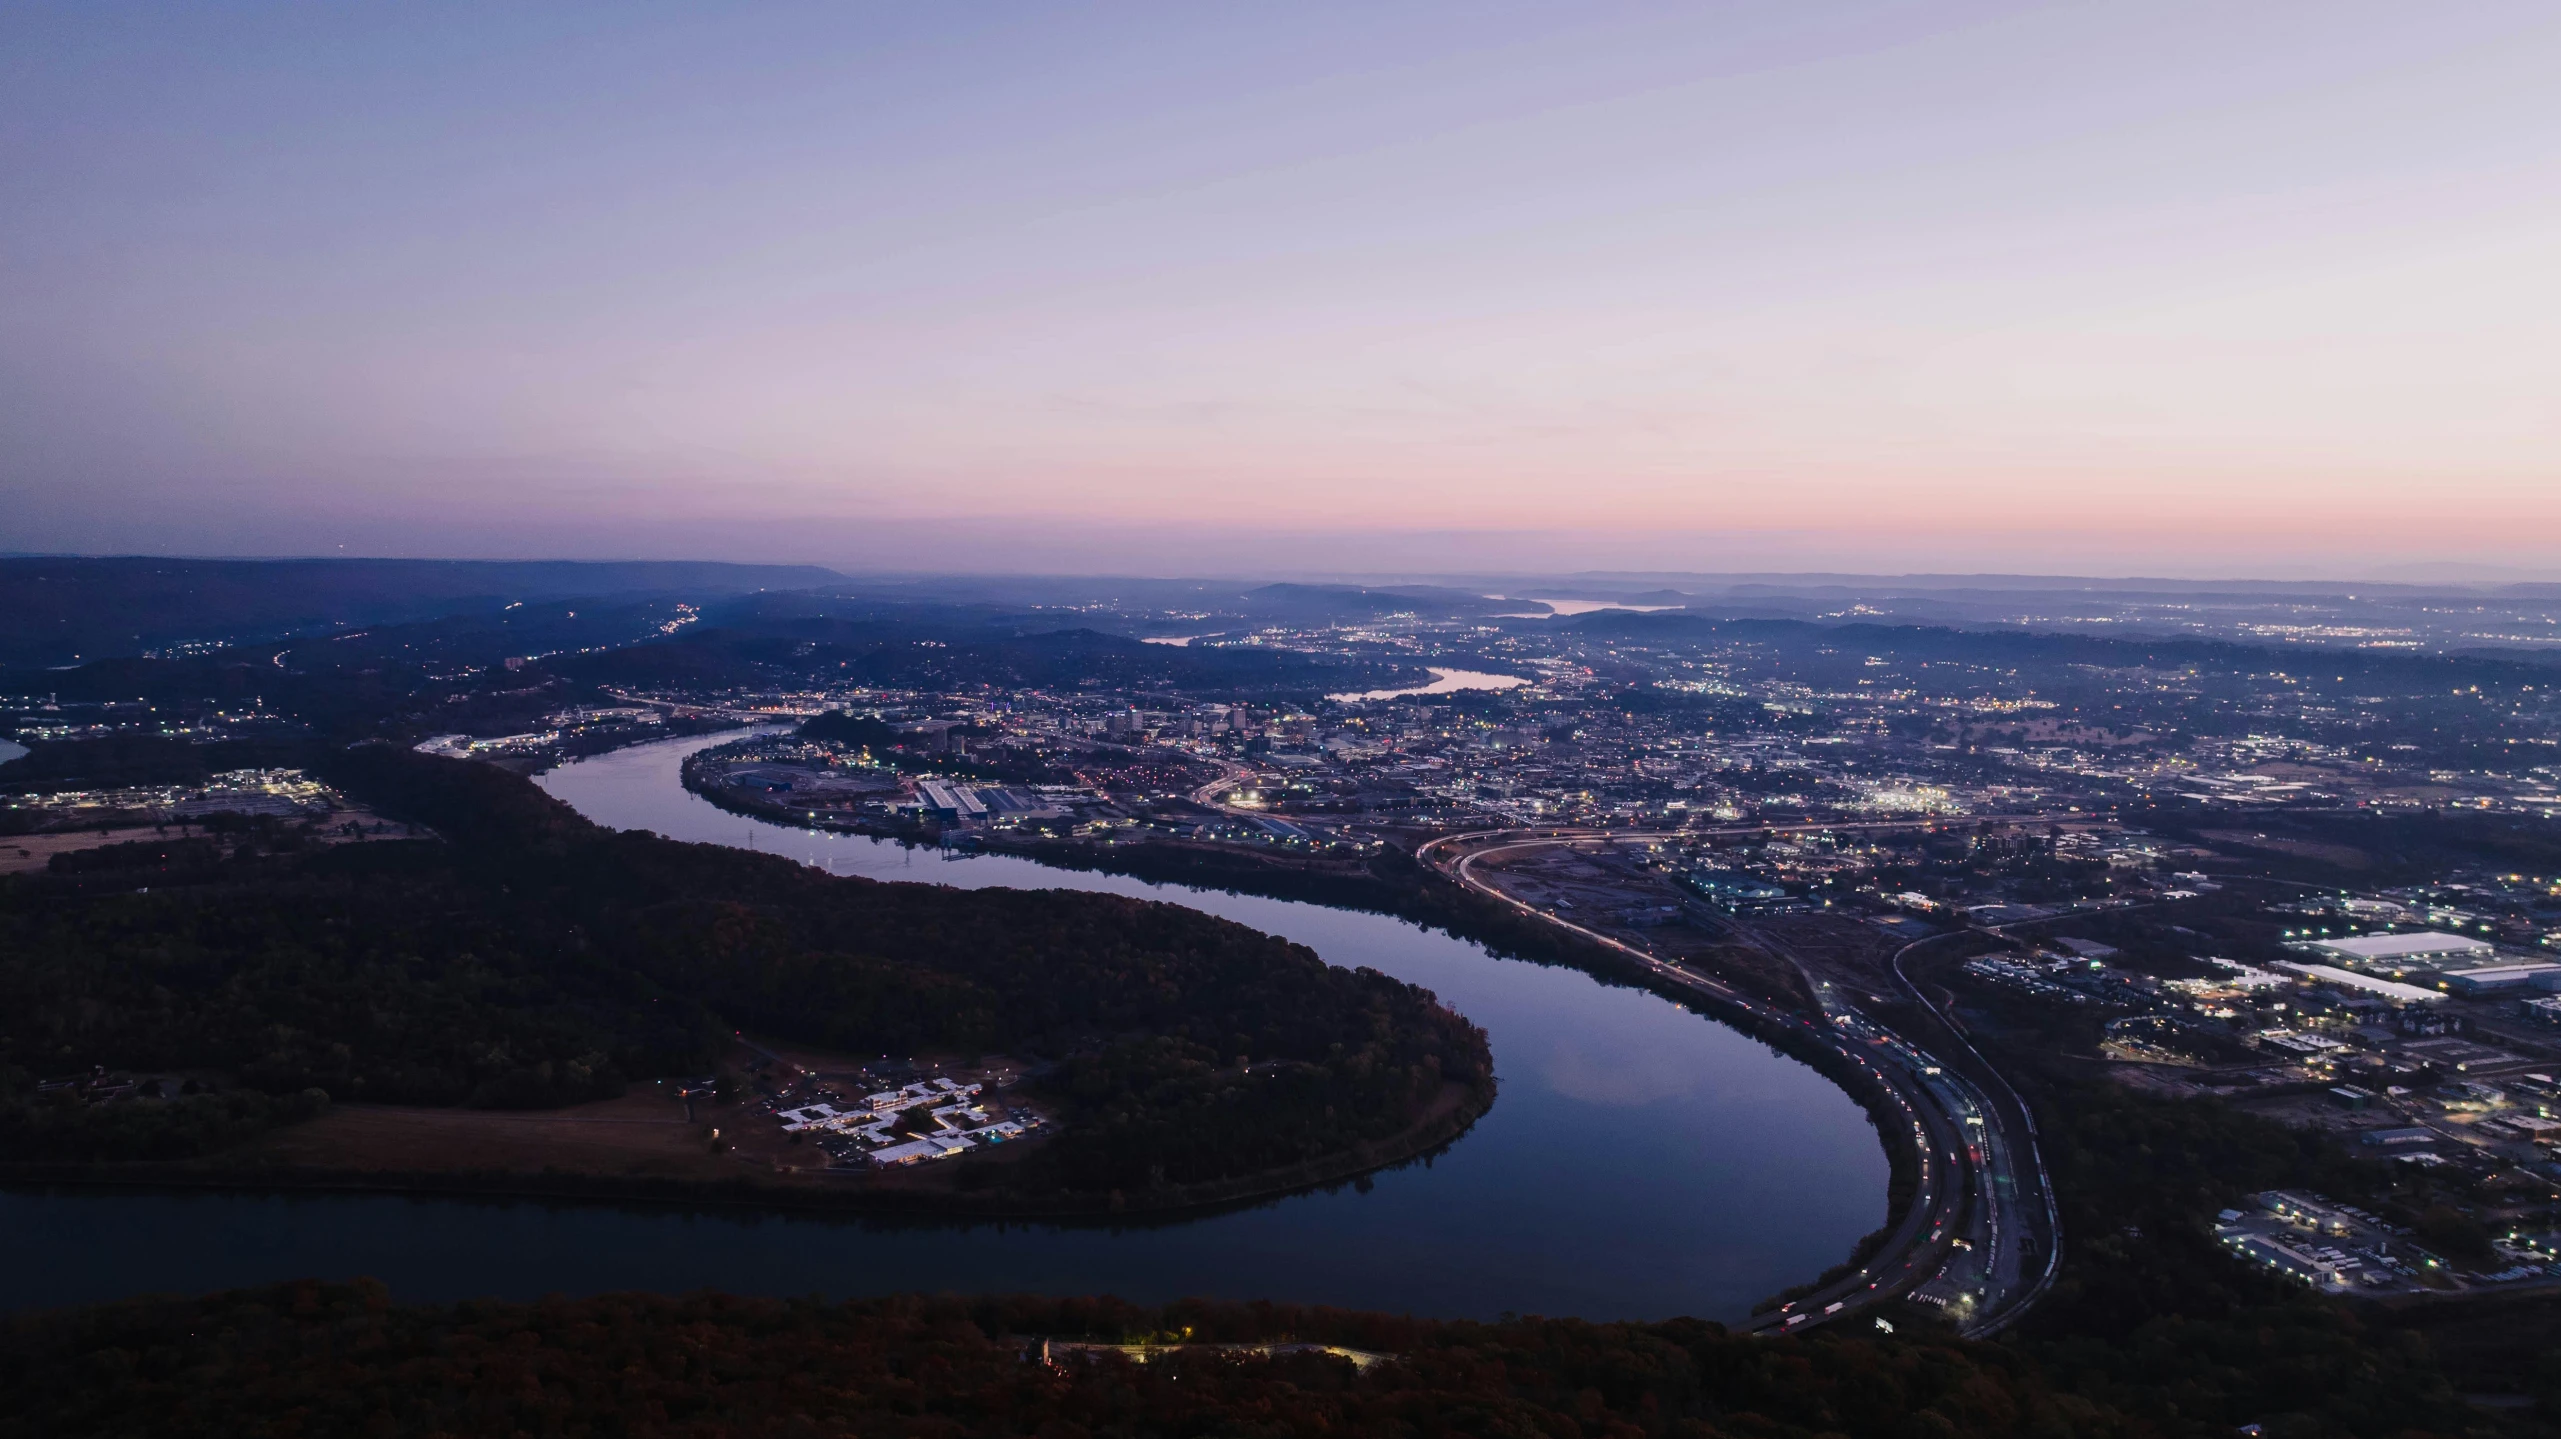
(322, 1360)
(66, 608)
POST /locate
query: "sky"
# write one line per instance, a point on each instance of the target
(2160, 288)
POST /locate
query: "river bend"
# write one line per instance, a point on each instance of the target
(1642, 1161)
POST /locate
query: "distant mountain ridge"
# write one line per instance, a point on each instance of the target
(63, 610)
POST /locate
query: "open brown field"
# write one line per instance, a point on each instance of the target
(2344, 856)
(644, 1134)
(30, 853)
(651, 1133)
(26, 853)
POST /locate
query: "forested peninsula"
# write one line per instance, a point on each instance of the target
(524, 958)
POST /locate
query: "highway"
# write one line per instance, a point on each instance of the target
(1980, 1236)
(1213, 794)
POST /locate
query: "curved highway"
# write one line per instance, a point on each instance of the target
(1980, 1237)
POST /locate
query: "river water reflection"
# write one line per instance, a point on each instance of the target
(1443, 682)
(1641, 1162)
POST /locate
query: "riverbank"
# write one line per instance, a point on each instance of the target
(1391, 884)
(928, 1193)
(1705, 1171)
(537, 962)
(1397, 885)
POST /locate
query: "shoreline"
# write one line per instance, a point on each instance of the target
(1391, 885)
(1449, 1117)
(929, 1198)
(1420, 895)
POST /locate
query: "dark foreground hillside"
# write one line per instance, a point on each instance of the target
(530, 959)
(314, 1360)
(321, 1360)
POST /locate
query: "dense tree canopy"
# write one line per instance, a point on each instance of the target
(529, 959)
(319, 1360)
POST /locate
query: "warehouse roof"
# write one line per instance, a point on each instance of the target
(2427, 944)
(2389, 989)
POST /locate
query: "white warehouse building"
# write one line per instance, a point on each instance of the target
(2428, 949)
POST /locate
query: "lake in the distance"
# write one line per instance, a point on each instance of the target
(1641, 1162)
(1444, 682)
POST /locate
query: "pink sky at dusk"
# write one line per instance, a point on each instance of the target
(2160, 287)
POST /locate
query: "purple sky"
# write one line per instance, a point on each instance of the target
(2266, 288)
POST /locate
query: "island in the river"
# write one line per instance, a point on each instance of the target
(527, 1002)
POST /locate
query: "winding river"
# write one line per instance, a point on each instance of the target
(1641, 1162)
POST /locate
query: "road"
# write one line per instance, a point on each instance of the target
(2029, 1196)
(1980, 1235)
(1211, 795)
